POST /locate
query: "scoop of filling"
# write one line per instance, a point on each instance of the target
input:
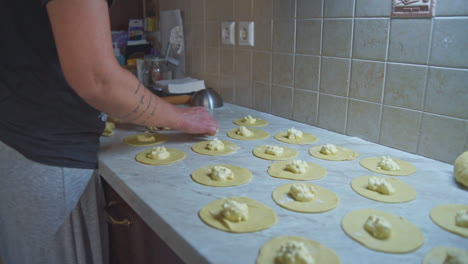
(220, 173)
(215, 144)
(329, 149)
(274, 150)
(380, 185)
(378, 227)
(293, 252)
(235, 211)
(249, 119)
(302, 192)
(243, 131)
(297, 166)
(293, 133)
(388, 164)
(159, 153)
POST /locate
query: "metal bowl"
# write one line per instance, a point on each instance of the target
(208, 98)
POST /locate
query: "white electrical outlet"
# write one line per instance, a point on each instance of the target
(246, 33)
(227, 32)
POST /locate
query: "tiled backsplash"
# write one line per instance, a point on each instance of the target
(342, 65)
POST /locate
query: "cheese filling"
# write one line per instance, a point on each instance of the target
(461, 218)
(329, 149)
(274, 150)
(293, 252)
(220, 173)
(302, 192)
(215, 145)
(297, 166)
(235, 211)
(145, 137)
(243, 131)
(159, 153)
(380, 185)
(378, 227)
(248, 119)
(388, 164)
(454, 257)
(294, 133)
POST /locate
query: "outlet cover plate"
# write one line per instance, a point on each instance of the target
(246, 33)
(227, 33)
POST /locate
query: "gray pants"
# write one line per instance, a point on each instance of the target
(49, 215)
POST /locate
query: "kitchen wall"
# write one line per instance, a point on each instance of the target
(342, 65)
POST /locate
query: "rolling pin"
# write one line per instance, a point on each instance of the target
(178, 99)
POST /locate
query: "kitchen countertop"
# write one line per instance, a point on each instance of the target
(168, 200)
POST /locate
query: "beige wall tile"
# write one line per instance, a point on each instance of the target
(400, 128)
(281, 101)
(284, 9)
(332, 113)
(338, 8)
(337, 38)
(373, 8)
(212, 60)
(449, 43)
(226, 88)
(441, 137)
(405, 85)
(262, 66)
(198, 35)
(370, 39)
(227, 61)
(197, 10)
(213, 35)
(367, 80)
(363, 120)
(218, 10)
(262, 97)
(243, 93)
(263, 9)
(212, 81)
(306, 72)
(283, 69)
(447, 92)
(283, 36)
(263, 34)
(409, 40)
(308, 36)
(243, 10)
(198, 60)
(305, 107)
(309, 8)
(334, 76)
(244, 64)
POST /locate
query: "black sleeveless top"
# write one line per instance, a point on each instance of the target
(40, 114)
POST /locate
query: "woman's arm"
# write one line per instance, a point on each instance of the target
(83, 38)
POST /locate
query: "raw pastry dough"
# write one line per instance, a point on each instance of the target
(325, 200)
(403, 191)
(288, 153)
(319, 252)
(241, 176)
(460, 169)
(371, 164)
(200, 148)
(257, 134)
(439, 255)
(176, 155)
(342, 154)
(109, 130)
(305, 139)
(258, 122)
(405, 237)
(444, 216)
(313, 172)
(260, 216)
(150, 139)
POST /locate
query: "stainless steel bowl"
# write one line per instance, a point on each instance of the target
(208, 98)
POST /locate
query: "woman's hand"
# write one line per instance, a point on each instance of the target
(196, 120)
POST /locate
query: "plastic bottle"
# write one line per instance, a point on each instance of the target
(118, 55)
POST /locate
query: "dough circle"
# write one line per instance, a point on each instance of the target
(305, 139)
(200, 148)
(288, 153)
(260, 216)
(176, 155)
(313, 172)
(241, 176)
(403, 191)
(319, 252)
(258, 123)
(257, 134)
(444, 216)
(438, 255)
(406, 168)
(406, 237)
(325, 200)
(460, 169)
(342, 154)
(133, 140)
